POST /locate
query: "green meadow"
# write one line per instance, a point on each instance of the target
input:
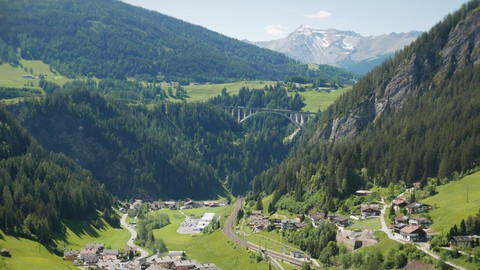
(11, 76)
(203, 92)
(27, 254)
(80, 233)
(366, 224)
(450, 204)
(209, 247)
(315, 101)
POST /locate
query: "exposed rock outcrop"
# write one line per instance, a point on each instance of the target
(433, 59)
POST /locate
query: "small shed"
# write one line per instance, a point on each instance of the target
(5, 252)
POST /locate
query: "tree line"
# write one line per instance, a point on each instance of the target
(171, 150)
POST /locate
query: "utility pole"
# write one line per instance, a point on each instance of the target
(467, 193)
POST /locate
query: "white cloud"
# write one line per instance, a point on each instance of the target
(276, 29)
(319, 15)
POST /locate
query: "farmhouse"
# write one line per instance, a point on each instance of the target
(289, 224)
(171, 205)
(413, 233)
(210, 204)
(185, 265)
(461, 241)
(258, 222)
(98, 247)
(5, 252)
(341, 221)
(401, 220)
(399, 203)
(420, 221)
(363, 192)
(416, 207)
(369, 210)
(277, 219)
(70, 255)
(174, 262)
(317, 217)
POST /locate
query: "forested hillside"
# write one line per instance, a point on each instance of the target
(173, 150)
(108, 38)
(41, 189)
(414, 117)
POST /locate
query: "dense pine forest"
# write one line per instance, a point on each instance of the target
(416, 116)
(40, 189)
(111, 39)
(172, 150)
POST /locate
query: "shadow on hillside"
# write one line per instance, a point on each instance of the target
(81, 228)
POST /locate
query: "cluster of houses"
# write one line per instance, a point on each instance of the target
(96, 255)
(159, 262)
(410, 228)
(173, 205)
(259, 222)
(338, 220)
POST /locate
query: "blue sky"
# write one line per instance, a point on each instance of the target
(260, 20)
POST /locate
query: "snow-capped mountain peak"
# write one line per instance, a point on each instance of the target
(330, 46)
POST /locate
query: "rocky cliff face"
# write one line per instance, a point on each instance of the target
(433, 58)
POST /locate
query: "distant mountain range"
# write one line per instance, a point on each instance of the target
(346, 49)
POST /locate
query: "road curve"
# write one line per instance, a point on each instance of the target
(230, 233)
(130, 242)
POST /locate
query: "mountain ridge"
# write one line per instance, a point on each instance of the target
(112, 39)
(415, 117)
(343, 48)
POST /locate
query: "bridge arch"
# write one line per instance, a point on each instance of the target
(271, 112)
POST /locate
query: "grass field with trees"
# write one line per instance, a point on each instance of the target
(27, 254)
(212, 247)
(455, 201)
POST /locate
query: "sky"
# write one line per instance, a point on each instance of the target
(262, 20)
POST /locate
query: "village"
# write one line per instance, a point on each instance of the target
(100, 256)
(410, 223)
(96, 256)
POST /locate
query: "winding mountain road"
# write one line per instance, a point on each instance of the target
(130, 242)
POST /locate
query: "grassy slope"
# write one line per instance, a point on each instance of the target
(371, 223)
(315, 101)
(450, 204)
(205, 91)
(266, 201)
(27, 254)
(215, 247)
(80, 233)
(12, 76)
(384, 244)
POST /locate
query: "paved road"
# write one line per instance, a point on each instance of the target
(130, 243)
(229, 232)
(423, 246)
